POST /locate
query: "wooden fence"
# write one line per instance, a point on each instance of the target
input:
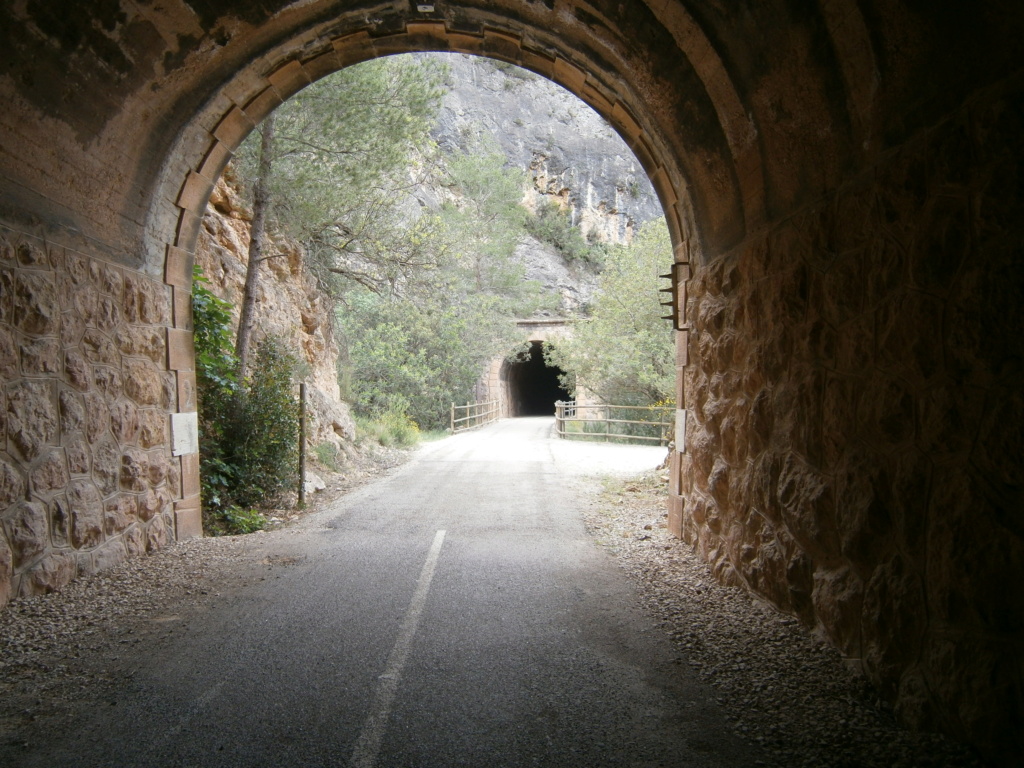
(473, 415)
(652, 424)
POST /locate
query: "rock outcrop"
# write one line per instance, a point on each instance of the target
(288, 306)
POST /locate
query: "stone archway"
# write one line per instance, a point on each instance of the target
(839, 180)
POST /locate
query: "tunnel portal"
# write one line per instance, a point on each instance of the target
(533, 386)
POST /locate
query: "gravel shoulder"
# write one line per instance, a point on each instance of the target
(781, 687)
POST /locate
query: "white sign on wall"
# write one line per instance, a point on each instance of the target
(184, 433)
(681, 430)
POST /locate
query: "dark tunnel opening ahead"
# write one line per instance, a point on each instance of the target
(533, 387)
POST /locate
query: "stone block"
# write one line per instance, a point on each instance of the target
(186, 391)
(190, 475)
(109, 555)
(118, 513)
(31, 417)
(180, 350)
(52, 573)
(108, 382)
(12, 483)
(194, 193)
(77, 370)
(97, 416)
(41, 357)
(86, 514)
(159, 467)
(675, 515)
(143, 383)
(135, 541)
(807, 504)
(106, 464)
(134, 470)
(51, 473)
(124, 421)
(158, 534)
(6, 573)
(893, 623)
(27, 529)
(8, 355)
(72, 329)
(142, 341)
(107, 278)
(77, 452)
(213, 165)
(262, 104)
(99, 348)
(182, 307)
(189, 226)
(152, 427)
(35, 304)
(145, 301)
(233, 127)
(188, 519)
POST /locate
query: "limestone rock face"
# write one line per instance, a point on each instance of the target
(288, 306)
(571, 155)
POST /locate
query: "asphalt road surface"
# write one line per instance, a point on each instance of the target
(454, 613)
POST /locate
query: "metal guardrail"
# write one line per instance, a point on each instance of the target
(572, 421)
(476, 415)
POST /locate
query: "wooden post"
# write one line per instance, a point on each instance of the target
(302, 444)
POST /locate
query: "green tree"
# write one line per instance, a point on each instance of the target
(329, 168)
(624, 352)
(422, 345)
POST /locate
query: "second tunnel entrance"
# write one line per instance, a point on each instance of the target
(533, 387)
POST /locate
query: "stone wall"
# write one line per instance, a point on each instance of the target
(86, 474)
(857, 419)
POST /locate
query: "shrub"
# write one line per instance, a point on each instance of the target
(390, 428)
(248, 430)
(552, 225)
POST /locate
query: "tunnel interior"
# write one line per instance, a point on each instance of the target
(533, 386)
(842, 188)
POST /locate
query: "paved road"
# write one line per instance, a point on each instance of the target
(452, 614)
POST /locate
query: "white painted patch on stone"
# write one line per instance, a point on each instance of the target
(184, 433)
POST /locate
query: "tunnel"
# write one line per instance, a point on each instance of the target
(841, 181)
(533, 386)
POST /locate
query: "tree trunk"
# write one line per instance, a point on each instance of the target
(257, 241)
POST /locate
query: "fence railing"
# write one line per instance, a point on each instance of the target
(650, 423)
(473, 415)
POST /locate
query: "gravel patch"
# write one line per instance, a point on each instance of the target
(780, 686)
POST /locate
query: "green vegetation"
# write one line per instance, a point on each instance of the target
(425, 294)
(248, 429)
(624, 352)
(418, 347)
(390, 428)
(552, 225)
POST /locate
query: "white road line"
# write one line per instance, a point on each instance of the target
(368, 746)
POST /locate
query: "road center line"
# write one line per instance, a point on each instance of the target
(368, 745)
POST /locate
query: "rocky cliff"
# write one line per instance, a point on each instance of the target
(572, 155)
(288, 306)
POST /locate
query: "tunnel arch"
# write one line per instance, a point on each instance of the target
(839, 174)
(532, 387)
